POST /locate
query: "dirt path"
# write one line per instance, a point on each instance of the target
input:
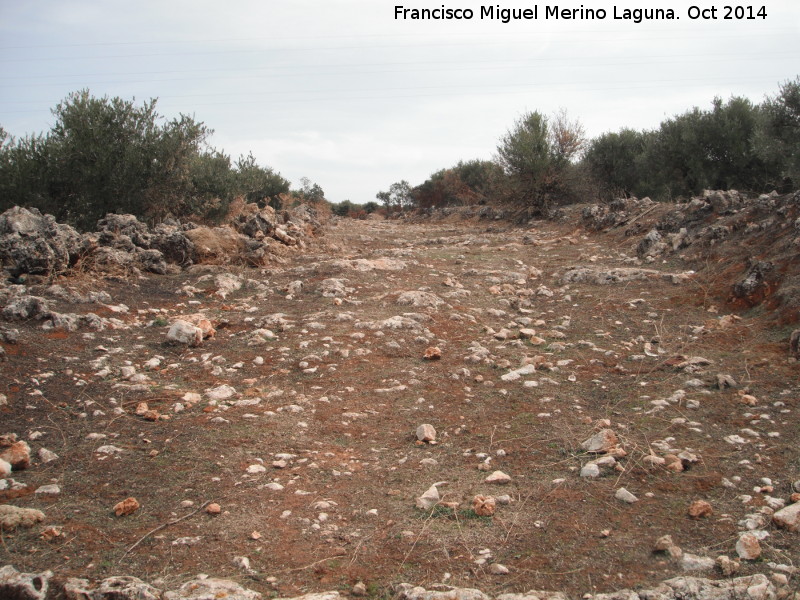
(301, 414)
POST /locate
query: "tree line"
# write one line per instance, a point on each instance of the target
(546, 161)
(112, 155)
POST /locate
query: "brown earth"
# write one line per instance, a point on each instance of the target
(344, 396)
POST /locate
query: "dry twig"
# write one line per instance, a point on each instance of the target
(162, 526)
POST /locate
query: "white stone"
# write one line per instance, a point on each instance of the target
(429, 499)
(625, 496)
(748, 547)
(498, 477)
(692, 562)
(222, 392)
(590, 470)
(600, 442)
(426, 433)
(183, 332)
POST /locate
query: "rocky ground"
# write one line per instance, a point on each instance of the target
(561, 406)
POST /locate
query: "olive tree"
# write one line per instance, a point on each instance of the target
(537, 155)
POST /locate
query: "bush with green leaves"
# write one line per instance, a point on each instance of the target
(613, 160)
(112, 155)
(777, 138)
(736, 144)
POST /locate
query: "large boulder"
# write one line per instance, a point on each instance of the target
(31, 242)
(23, 586)
(113, 588)
(173, 244)
(116, 226)
(152, 261)
(255, 222)
(210, 588)
(755, 284)
(12, 517)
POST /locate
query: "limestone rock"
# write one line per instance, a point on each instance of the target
(590, 470)
(257, 223)
(12, 517)
(426, 433)
(754, 282)
(16, 453)
(126, 507)
(46, 455)
(23, 586)
(748, 547)
(700, 509)
(484, 506)
(692, 562)
(625, 496)
(432, 353)
(651, 245)
(31, 242)
(755, 587)
(183, 332)
(601, 442)
(420, 299)
(536, 595)
(209, 588)
(789, 517)
(429, 499)
(663, 543)
(333, 288)
(26, 307)
(404, 591)
(113, 588)
(221, 392)
(498, 477)
(727, 566)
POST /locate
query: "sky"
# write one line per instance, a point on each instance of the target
(347, 94)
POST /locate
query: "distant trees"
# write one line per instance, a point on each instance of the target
(346, 208)
(542, 161)
(111, 155)
(471, 182)
(736, 144)
(398, 197)
(309, 191)
(777, 138)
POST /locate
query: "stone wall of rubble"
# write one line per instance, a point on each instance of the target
(34, 244)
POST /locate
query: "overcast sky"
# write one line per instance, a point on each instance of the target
(343, 93)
